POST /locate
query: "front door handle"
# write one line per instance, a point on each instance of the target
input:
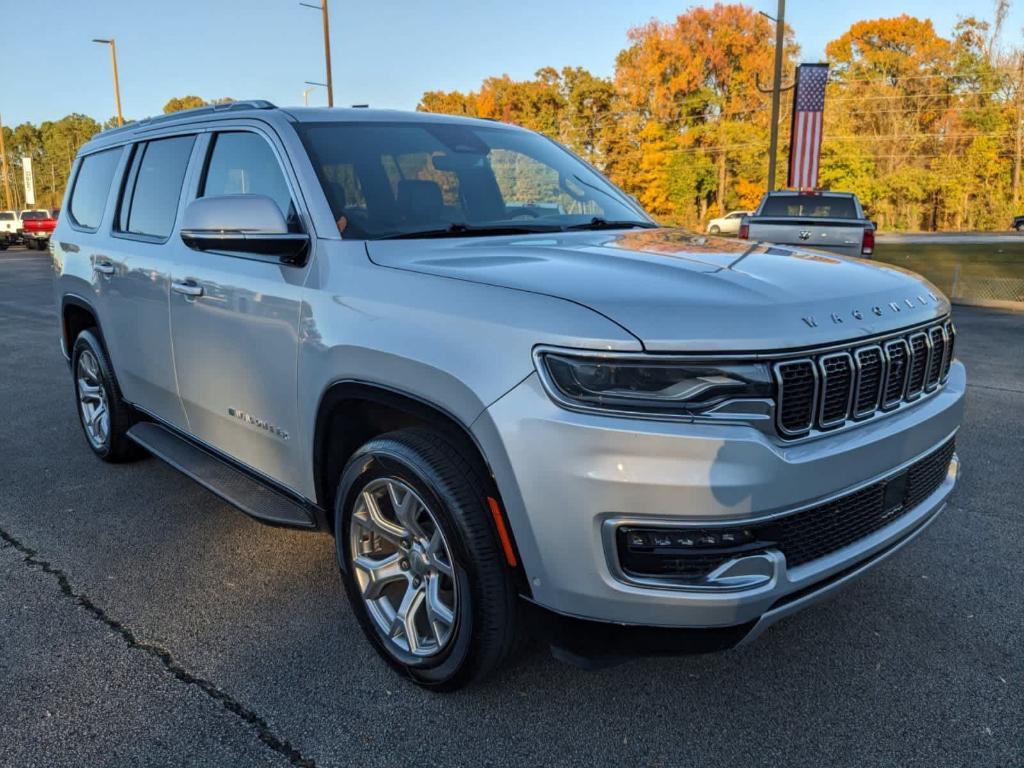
(104, 267)
(188, 288)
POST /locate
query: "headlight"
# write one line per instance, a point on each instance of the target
(680, 388)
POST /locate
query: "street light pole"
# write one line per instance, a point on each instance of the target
(327, 46)
(3, 168)
(117, 85)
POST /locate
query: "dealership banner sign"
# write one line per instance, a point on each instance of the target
(808, 120)
(30, 186)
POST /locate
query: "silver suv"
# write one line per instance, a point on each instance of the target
(514, 400)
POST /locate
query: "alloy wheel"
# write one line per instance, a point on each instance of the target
(92, 400)
(403, 567)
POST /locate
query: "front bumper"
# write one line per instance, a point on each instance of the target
(565, 476)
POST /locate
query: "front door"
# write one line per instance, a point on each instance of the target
(235, 322)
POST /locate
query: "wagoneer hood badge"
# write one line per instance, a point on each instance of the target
(679, 292)
(910, 302)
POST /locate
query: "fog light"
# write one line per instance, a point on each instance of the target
(681, 555)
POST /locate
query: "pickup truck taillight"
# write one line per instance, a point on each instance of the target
(867, 245)
(744, 233)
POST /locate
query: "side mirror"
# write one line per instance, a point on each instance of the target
(242, 223)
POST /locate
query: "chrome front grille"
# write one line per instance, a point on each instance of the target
(827, 391)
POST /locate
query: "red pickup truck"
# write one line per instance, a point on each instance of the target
(38, 226)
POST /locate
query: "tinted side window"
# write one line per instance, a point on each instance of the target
(243, 163)
(92, 185)
(150, 200)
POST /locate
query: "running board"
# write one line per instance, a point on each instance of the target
(237, 487)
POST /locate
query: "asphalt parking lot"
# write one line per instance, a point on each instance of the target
(144, 622)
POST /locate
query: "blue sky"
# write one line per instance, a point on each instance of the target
(386, 53)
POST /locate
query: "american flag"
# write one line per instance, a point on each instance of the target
(808, 108)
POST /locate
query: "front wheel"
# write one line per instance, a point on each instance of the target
(715, 230)
(420, 562)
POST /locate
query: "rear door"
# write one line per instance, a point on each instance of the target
(134, 267)
(235, 318)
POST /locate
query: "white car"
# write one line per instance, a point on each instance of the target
(728, 224)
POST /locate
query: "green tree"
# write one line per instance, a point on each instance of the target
(178, 103)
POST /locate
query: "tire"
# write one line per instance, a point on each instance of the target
(1020, 227)
(715, 230)
(94, 384)
(478, 592)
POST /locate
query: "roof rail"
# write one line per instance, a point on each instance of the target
(227, 106)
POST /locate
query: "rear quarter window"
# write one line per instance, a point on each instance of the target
(92, 187)
(810, 206)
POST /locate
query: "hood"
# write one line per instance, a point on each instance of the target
(677, 292)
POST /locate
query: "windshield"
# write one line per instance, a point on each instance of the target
(401, 179)
(6, 216)
(27, 215)
(810, 206)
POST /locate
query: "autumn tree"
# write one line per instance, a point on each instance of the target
(928, 130)
(698, 77)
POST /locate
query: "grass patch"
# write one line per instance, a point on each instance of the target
(938, 261)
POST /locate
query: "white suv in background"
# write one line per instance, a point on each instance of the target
(8, 228)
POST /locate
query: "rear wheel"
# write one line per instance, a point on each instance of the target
(103, 414)
(422, 569)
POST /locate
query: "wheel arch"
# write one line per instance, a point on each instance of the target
(351, 412)
(77, 314)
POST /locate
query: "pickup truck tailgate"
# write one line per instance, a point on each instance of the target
(838, 235)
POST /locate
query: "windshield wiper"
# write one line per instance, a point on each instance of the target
(468, 230)
(599, 223)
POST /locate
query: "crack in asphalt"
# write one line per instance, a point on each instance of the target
(162, 655)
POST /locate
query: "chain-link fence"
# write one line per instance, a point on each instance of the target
(984, 270)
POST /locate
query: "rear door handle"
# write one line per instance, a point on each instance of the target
(103, 266)
(189, 288)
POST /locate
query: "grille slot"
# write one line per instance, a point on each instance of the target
(813, 533)
(897, 354)
(947, 360)
(918, 364)
(798, 386)
(937, 336)
(870, 370)
(825, 391)
(948, 356)
(836, 389)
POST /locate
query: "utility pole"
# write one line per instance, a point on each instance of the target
(117, 86)
(776, 89)
(3, 168)
(1018, 97)
(327, 46)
